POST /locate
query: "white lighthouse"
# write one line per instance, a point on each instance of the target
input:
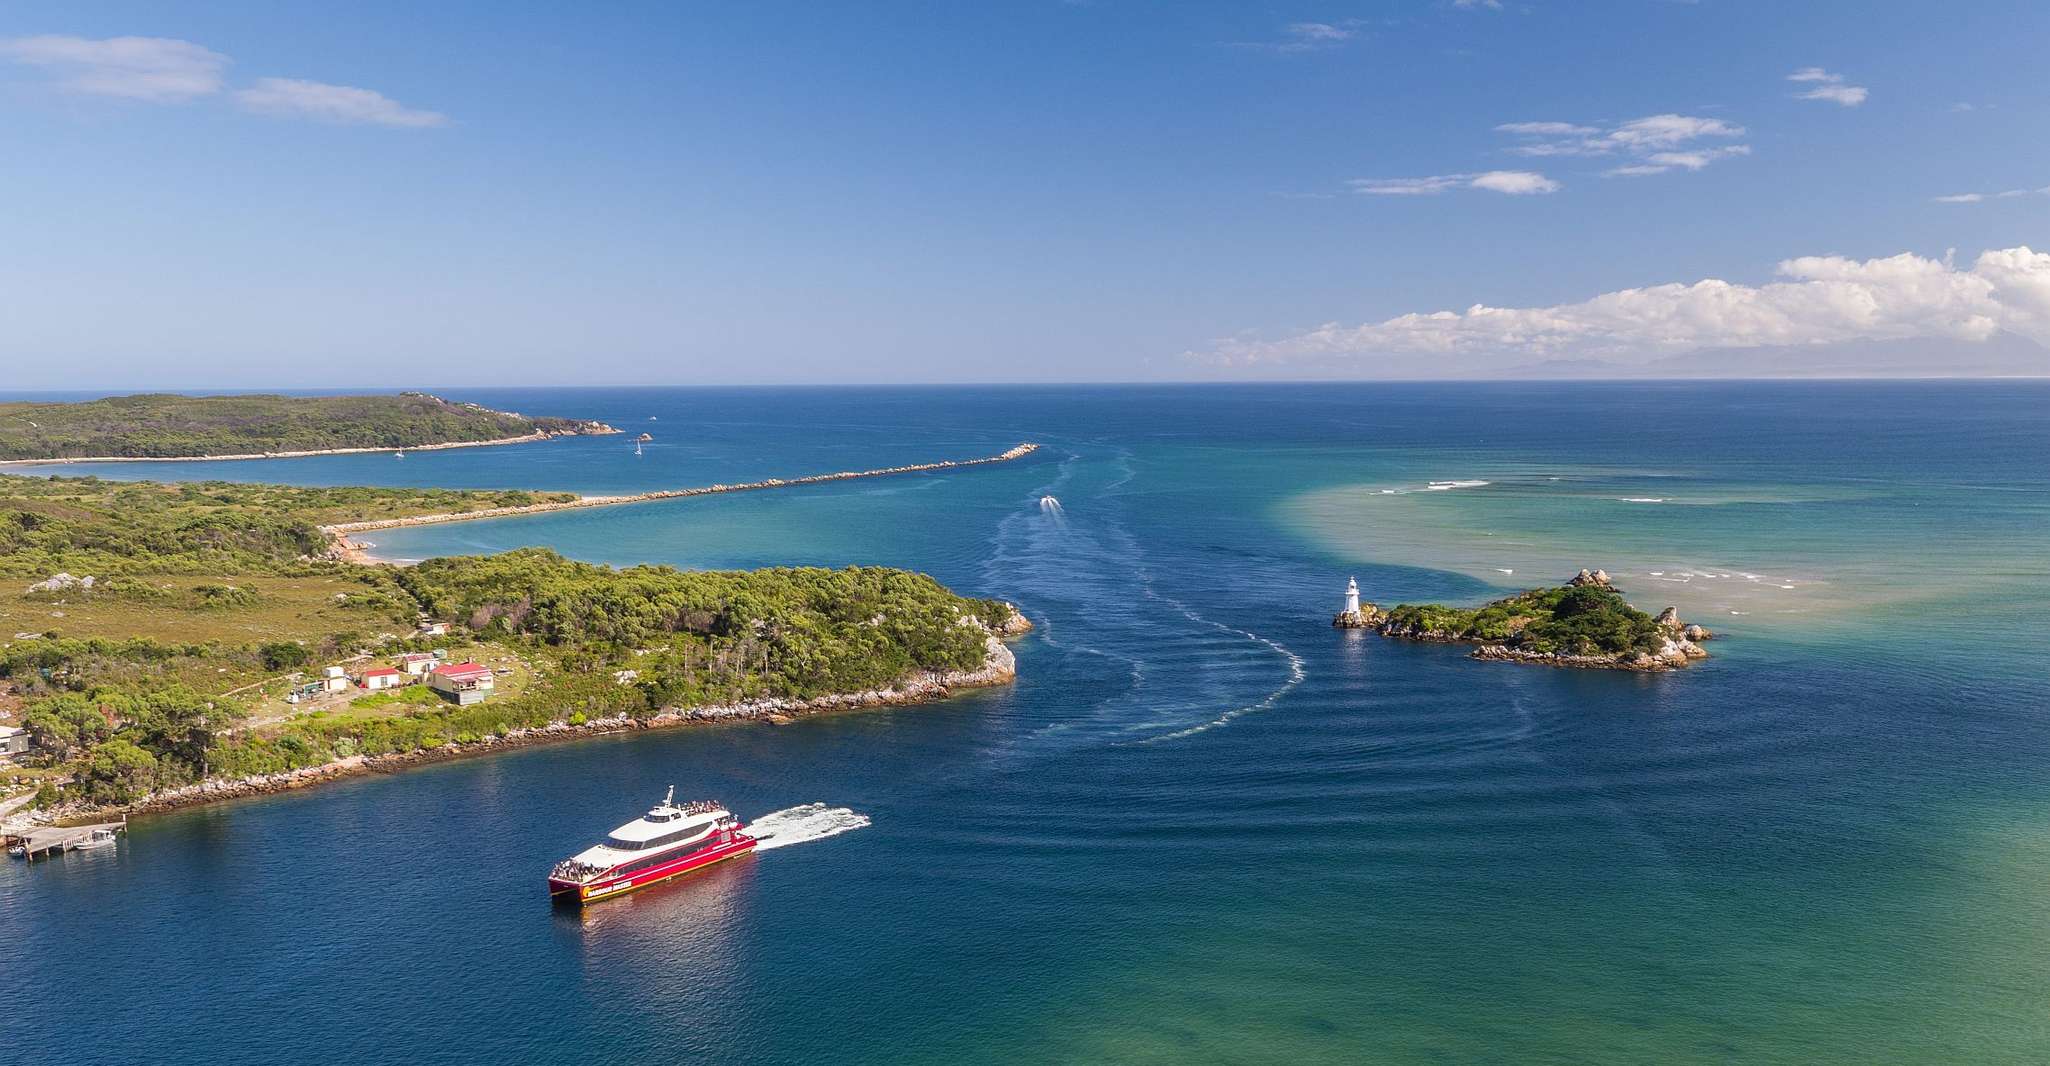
(1352, 596)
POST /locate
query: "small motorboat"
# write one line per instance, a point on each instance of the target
(100, 838)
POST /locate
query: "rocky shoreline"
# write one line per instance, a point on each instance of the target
(344, 549)
(999, 667)
(587, 429)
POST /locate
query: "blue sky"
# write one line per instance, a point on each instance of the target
(275, 194)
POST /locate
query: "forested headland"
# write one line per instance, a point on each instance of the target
(208, 603)
(164, 425)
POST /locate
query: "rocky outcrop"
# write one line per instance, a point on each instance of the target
(1673, 653)
(61, 582)
(1017, 625)
(1367, 617)
(1598, 578)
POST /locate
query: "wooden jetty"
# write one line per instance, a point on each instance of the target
(55, 840)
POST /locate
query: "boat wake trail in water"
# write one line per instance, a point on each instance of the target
(1296, 673)
(803, 824)
(1153, 667)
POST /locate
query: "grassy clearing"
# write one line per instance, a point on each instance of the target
(168, 608)
(269, 711)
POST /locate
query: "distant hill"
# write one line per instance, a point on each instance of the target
(164, 425)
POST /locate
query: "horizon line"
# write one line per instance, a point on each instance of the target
(130, 390)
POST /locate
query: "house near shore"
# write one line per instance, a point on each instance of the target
(334, 679)
(465, 683)
(13, 741)
(433, 629)
(382, 678)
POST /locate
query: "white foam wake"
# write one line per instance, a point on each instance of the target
(1439, 486)
(803, 824)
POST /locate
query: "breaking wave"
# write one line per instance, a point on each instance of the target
(803, 824)
(1438, 486)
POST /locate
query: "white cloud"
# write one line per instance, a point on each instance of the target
(1827, 86)
(1822, 299)
(1407, 186)
(1320, 32)
(1693, 159)
(294, 98)
(1472, 5)
(1979, 197)
(155, 69)
(1515, 182)
(1297, 37)
(1654, 144)
(1668, 131)
(1545, 129)
(1511, 182)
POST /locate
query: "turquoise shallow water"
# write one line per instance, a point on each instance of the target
(1203, 827)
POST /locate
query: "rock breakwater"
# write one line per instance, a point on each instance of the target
(339, 532)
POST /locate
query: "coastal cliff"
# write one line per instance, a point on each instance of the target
(1584, 623)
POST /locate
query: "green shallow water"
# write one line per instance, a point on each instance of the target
(1204, 826)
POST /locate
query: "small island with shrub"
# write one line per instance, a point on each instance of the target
(1584, 623)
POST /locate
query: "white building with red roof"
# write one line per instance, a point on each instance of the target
(465, 683)
(381, 678)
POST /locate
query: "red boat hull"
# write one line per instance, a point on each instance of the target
(608, 887)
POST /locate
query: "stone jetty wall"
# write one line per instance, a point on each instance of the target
(341, 530)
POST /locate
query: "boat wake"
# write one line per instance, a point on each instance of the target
(803, 824)
(1168, 671)
(1296, 674)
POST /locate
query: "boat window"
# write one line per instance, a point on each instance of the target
(646, 862)
(672, 837)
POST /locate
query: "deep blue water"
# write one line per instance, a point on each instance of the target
(1203, 826)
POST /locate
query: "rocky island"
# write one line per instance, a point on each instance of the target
(1585, 623)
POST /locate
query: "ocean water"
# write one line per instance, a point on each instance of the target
(1203, 826)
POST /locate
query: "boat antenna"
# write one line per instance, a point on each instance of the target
(670, 799)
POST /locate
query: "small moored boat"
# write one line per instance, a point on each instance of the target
(99, 838)
(670, 840)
